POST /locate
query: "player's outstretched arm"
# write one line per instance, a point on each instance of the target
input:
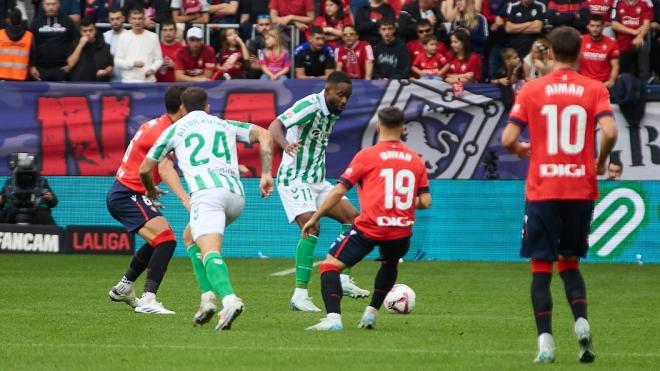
(330, 202)
(171, 178)
(424, 201)
(265, 140)
(511, 143)
(276, 128)
(147, 178)
(609, 133)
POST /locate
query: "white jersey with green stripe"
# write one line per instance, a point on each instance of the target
(205, 147)
(309, 123)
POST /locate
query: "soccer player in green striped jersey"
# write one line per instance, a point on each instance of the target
(303, 132)
(205, 147)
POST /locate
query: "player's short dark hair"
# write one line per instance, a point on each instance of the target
(86, 22)
(565, 43)
(316, 30)
(194, 99)
(115, 10)
(597, 18)
(391, 117)
(338, 77)
(617, 163)
(173, 98)
(386, 22)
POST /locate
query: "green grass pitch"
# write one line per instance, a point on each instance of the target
(55, 315)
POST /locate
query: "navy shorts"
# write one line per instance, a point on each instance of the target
(353, 246)
(131, 209)
(554, 228)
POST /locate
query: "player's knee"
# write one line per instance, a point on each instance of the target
(388, 263)
(187, 236)
(165, 236)
(541, 266)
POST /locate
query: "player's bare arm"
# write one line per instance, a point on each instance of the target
(512, 144)
(609, 133)
(265, 140)
(169, 175)
(424, 201)
(334, 197)
(277, 129)
(147, 179)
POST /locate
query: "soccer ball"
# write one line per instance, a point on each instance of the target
(400, 300)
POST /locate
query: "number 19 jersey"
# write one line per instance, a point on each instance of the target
(389, 176)
(205, 147)
(561, 111)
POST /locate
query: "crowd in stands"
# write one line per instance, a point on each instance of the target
(458, 41)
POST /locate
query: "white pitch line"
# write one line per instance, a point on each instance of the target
(292, 270)
(480, 352)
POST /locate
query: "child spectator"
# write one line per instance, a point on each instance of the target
(537, 63)
(232, 56)
(274, 59)
(431, 64)
(510, 77)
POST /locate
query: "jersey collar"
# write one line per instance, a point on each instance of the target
(324, 106)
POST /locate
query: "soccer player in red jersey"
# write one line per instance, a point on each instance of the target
(560, 110)
(392, 182)
(127, 203)
(599, 54)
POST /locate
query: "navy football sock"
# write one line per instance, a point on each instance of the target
(139, 262)
(576, 292)
(158, 265)
(542, 301)
(385, 279)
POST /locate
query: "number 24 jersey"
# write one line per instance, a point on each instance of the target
(389, 176)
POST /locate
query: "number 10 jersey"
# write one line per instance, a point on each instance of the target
(561, 111)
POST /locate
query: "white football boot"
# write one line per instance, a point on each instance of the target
(148, 305)
(330, 323)
(123, 293)
(368, 320)
(229, 313)
(583, 334)
(207, 308)
(546, 349)
(350, 289)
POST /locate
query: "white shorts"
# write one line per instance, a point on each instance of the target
(303, 198)
(211, 210)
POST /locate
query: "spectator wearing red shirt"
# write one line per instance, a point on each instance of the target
(599, 54)
(355, 56)
(631, 20)
(415, 47)
(296, 12)
(464, 65)
(190, 11)
(332, 22)
(431, 64)
(169, 45)
(233, 54)
(195, 62)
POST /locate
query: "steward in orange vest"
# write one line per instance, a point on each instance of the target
(15, 46)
